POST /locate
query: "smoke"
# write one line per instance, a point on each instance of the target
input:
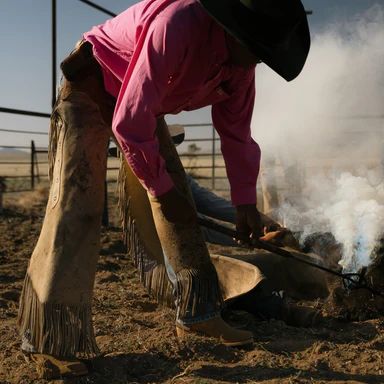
(352, 211)
(324, 135)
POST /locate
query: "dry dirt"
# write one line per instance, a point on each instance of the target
(137, 336)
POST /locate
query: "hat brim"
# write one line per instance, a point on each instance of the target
(287, 60)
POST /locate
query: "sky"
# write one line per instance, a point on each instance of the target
(25, 65)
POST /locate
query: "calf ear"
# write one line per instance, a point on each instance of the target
(236, 277)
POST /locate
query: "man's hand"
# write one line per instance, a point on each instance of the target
(176, 208)
(252, 226)
(248, 224)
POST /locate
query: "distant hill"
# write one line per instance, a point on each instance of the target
(12, 150)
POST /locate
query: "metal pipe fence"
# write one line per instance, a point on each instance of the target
(27, 165)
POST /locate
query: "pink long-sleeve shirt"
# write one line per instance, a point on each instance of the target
(164, 56)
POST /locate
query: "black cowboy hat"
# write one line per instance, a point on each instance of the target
(275, 31)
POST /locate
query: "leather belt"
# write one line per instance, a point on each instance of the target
(81, 63)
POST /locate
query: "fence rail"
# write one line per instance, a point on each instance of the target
(24, 112)
(197, 160)
(35, 176)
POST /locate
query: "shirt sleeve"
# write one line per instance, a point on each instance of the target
(144, 86)
(232, 120)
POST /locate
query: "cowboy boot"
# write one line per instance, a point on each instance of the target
(218, 329)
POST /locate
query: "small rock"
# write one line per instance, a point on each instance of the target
(103, 339)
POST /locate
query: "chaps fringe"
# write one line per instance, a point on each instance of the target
(198, 292)
(56, 329)
(152, 274)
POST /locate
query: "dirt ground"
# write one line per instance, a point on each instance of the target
(137, 337)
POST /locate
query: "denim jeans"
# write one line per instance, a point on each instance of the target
(188, 318)
(216, 207)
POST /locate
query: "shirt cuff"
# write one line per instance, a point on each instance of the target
(157, 187)
(243, 195)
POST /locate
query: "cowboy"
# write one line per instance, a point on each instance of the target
(155, 58)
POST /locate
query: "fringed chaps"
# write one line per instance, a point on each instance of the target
(148, 234)
(55, 305)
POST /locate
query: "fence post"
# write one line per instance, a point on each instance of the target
(37, 174)
(33, 164)
(105, 217)
(213, 156)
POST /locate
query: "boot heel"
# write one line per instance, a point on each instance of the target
(218, 329)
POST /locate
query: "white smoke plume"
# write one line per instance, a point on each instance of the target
(328, 126)
(353, 212)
